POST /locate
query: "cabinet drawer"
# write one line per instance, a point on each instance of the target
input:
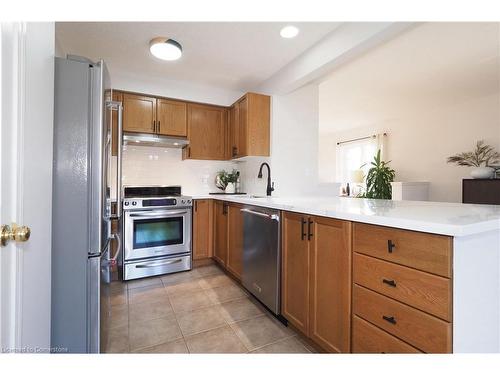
(367, 338)
(422, 290)
(425, 332)
(423, 251)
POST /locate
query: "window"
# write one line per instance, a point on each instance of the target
(351, 155)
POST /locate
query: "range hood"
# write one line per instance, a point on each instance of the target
(144, 139)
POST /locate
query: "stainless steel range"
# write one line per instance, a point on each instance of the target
(156, 231)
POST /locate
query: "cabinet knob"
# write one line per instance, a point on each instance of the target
(390, 246)
(389, 282)
(389, 319)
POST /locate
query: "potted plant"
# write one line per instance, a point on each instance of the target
(481, 159)
(221, 180)
(378, 179)
(231, 181)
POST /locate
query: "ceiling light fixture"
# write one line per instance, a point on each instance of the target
(165, 48)
(289, 32)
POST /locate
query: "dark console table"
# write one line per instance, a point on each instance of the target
(481, 191)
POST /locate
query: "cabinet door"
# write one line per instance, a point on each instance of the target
(202, 225)
(235, 240)
(295, 273)
(220, 231)
(117, 97)
(139, 113)
(242, 126)
(172, 118)
(234, 131)
(330, 293)
(207, 132)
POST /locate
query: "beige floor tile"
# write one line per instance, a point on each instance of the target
(240, 309)
(226, 293)
(118, 316)
(117, 286)
(174, 347)
(117, 340)
(179, 277)
(150, 310)
(190, 301)
(187, 286)
(260, 331)
(288, 345)
(204, 319)
(214, 281)
(219, 340)
(153, 332)
(147, 294)
(209, 270)
(118, 298)
(141, 283)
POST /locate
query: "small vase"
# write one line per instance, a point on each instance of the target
(230, 188)
(482, 172)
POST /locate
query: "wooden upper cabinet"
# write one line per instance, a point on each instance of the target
(172, 117)
(207, 129)
(295, 273)
(202, 233)
(117, 97)
(250, 126)
(220, 232)
(139, 113)
(330, 303)
(235, 239)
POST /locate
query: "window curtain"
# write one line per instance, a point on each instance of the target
(354, 155)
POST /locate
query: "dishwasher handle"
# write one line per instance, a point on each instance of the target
(261, 214)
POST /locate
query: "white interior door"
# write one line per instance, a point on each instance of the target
(26, 107)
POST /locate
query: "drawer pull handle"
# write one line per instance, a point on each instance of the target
(390, 246)
(390, 319)
(389, 282)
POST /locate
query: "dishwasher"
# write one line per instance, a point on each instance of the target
(262, 255)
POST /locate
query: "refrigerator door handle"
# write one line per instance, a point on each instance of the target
(119, 165)
(117, 106)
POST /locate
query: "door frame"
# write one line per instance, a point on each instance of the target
(13, 71)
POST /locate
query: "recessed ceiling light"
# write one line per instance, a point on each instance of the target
(289, 32)
(165, 48)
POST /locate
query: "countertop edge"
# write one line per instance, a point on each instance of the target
(454, 230)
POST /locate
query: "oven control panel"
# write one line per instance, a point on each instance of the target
(156, 202)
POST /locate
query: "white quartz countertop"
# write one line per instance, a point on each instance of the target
(452, 219)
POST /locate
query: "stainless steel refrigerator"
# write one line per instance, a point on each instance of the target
(81, 211)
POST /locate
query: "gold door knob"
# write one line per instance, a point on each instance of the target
(14, 233)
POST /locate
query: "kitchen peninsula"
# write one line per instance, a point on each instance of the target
(421, 271)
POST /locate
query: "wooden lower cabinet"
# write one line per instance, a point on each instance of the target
(402, 291)
(235, 240)
(220, 232)
(367, 338)
(330, 286)
(202, 229)
(228, 237)
(316, 285)
(296, 271)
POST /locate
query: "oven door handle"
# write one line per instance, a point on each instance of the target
(158, 264)
(158, 213)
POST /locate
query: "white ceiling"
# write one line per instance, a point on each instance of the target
(433, 65)
(230, 55)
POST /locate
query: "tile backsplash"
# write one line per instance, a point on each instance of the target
(143, 165)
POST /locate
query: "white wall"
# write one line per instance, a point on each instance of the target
(433, 89)
(294, 148)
